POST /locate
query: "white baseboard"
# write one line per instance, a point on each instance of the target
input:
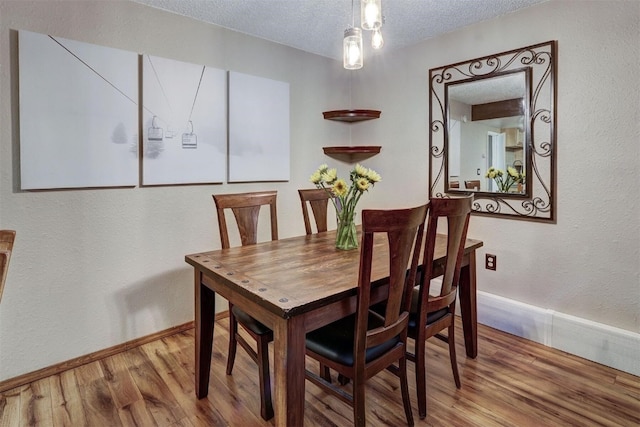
(614, 347)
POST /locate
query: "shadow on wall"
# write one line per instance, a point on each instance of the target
(155, 304)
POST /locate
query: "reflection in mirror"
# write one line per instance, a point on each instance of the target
(487, 129)
(492, 131)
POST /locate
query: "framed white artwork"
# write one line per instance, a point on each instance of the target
(184, 122)
(258, 129)
(78, 114)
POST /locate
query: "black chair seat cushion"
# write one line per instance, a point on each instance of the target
(431, 318)
(249, 322)
(413, 317)
(335, 341)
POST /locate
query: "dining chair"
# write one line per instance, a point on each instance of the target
(473, 184)
(365, 343)
(430, 315)
(318, 199)
(246, 210)
(7, 237)
(454, 184)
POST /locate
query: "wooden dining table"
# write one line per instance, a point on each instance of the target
(296, 285)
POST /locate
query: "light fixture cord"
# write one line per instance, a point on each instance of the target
(353, 19)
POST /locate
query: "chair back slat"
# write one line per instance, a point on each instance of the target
(247, 221)
(246, 210)
(457, 211)
(456, 235)
(404, 229)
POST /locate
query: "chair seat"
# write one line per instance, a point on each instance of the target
(335, 341)
(249, 322)
(413, 317)
(431, 318)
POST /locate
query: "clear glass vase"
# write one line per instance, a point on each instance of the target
(346, 236)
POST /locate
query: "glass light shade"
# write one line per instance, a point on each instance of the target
(376, 39)
(371, 14)
(352, 45)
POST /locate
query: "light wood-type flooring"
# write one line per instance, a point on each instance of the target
(513, 382)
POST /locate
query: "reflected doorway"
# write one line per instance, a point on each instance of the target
(496, 156)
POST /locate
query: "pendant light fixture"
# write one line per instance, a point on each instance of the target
(371, 14)
(352, 46)
(371, 19)
(352, 49)
(376, 39)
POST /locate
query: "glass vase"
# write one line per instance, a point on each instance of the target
(346, 236)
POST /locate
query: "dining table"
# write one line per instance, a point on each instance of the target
(293, 286)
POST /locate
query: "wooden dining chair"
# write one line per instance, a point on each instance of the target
(246, 210)
(365, 343)
(7, 237)
(430, 315)
(318, 199)
(473, 184)
(454, 184)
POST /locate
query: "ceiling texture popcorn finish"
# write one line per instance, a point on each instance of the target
(317, 26)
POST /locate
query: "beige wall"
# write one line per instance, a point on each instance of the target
(587, 265)
(95, 268)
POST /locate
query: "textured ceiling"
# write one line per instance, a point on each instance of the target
(317, 26)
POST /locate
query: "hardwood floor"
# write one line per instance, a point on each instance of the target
(513, 382)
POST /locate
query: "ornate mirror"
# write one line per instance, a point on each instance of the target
(492, 132)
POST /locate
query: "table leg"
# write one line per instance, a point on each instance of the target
(289, 350)
(468, 305)
(205, 308)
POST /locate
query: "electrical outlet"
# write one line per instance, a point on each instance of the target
(490, 262)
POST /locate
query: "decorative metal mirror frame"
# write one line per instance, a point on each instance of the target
(538, 204)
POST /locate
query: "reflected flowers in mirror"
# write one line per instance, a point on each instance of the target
(345, 197)
(505, 181)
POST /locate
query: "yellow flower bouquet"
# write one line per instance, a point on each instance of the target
(345, 197)
(505, 180)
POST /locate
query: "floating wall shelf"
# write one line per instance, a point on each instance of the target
(351, 116)
(366, 149)
(352, 153)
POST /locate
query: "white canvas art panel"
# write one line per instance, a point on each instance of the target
(258, 129)
(78, 114)
(184, 122)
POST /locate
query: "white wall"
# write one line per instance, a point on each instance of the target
(95, 268)
(586, 265)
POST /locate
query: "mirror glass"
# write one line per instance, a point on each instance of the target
(487, 129)
(492, 132)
